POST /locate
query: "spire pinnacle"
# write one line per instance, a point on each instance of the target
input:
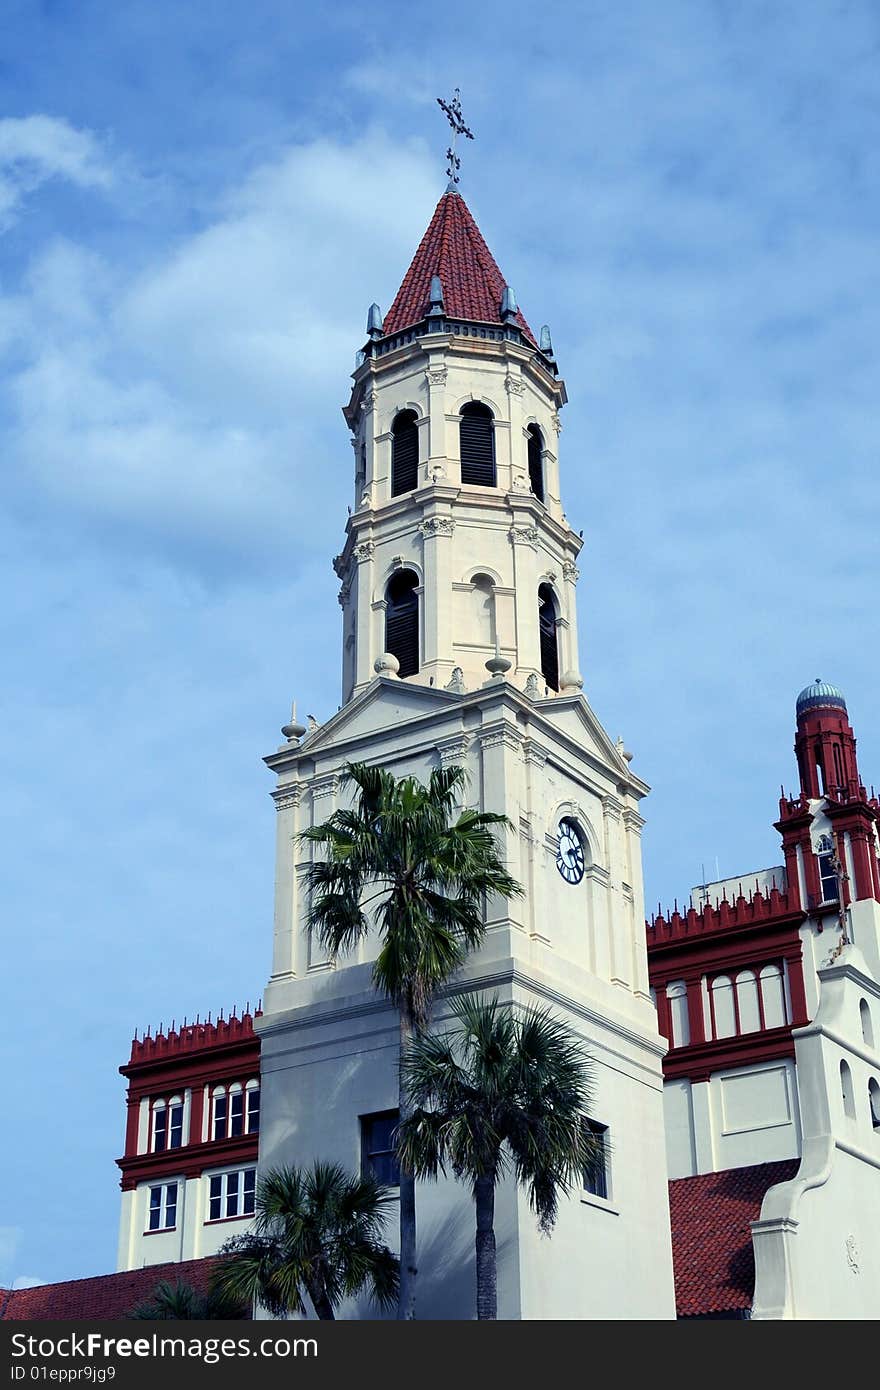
(452, 112)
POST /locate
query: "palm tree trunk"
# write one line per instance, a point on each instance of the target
(487, 1263)
(406, 1303)
(320, 1302)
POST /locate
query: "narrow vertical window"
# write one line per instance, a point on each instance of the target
(218, 1128)
(867, 1025)
(477, 445)
(773, 996)
(404, 453)
(536, 462)
(747, 1007)
(723, 1010)
(175, 1123)
(236, 1112)
(547, 616)
(874, 1103)
(595, 1176)
(402, 621)
(676, 993)
(160, 1127)
(253, 1108)
(827, 875)
(378, 1155)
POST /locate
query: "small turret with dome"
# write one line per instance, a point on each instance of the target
(820, 695)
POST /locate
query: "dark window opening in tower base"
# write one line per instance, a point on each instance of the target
(402, 621)
(548, 636)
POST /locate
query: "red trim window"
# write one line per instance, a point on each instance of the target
(235, 1110)
(166, 1124)
(749, 1002)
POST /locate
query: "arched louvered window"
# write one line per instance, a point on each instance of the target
(547, 630)
(536, 464)
(477, 439)
(404, 453)
(402, 621)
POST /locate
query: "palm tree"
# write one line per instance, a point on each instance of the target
(180, 1302)
(505, 1091)
(425, 872)
(317, 1232)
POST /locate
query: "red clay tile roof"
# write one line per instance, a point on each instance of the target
(454, 249)
(712, 1252)
(107, 1296)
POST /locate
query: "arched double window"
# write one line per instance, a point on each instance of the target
(235, 1110)
(536, 462)
(166, 1124)
(402, 620)
(547, 616)
(404, 453)
(477, 445)
(828, 886)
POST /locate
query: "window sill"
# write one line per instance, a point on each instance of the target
(601, 1203)
(160, 1231)
(222, 1220)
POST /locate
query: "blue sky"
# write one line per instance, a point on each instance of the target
(197, 205)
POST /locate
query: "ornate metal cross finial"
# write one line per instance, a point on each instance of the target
(452, 111)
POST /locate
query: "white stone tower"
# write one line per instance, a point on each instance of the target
(460, 646)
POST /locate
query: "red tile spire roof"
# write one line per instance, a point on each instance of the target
(453, 248)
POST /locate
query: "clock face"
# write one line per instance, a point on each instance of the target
(570, 854)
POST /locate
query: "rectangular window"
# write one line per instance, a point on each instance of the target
(163, 1207)
(596, 1171)
(175, 1129)
(236, 1114)
(253, 1110)
(219, 1117)
(160, 1129)
(377, 1147)
(232, 1194)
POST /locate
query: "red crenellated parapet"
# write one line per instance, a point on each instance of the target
(759, 907)
(193, 1037)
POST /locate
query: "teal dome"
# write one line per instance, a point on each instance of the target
(820, 693)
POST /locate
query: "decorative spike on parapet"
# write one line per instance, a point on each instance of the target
(760, 908)
(435, 299)
(195, 1036)
(293, 731)
(509, 309)
(374, 322)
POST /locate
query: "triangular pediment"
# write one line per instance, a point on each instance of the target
(385, 703)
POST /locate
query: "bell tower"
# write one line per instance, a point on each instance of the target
(457, 549)
(458, 577)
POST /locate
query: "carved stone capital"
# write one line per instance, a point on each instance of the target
(453, 751)
(364, 550)
(556, 422)
(286, 797)
(503, 737)
(570, 571)
(369, 401)
(514, 385)
(436, 526)
(436, 376)
(324, 786)
(612, 806)
(523, 535)
(633, 821)
(533, 755)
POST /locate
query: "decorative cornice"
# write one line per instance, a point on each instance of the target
(523, 535)
(453, 751)
(285, 797)
(504, 737)
(633, 821)
(612, 806)
(533, 755)
(436, 526)
(324, 786)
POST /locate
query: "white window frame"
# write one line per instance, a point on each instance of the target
(231, 1183)
(164, 1189)
(227, 1092)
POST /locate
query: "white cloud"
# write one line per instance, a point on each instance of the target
(36, 148)
(198, 398)
(27, 1281)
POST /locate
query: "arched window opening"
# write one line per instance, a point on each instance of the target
(723, 1010)
(772, 987)
(484, 608)
(748, 1008)
(549, 641)
(676, 993)
(402, 621)
(838, 766)
(536, 463)
(867, 1023)
(846, 1091)
(167, 1124)
(874, 1102)
(235, 1110)
(820, 770)
(477, 441)
(827, 875)
(404, 453)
